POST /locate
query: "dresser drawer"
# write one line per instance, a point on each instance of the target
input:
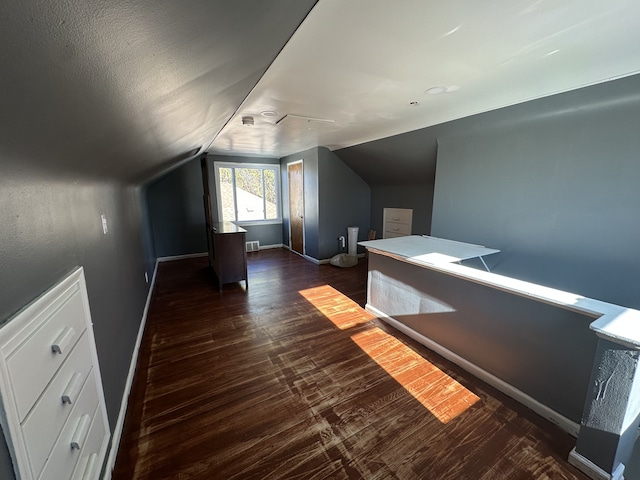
(64, 456)
(50, 384)
(34, 362)
(398, 215)
(42, 426)
(393, 235)
(398, 229)
(396, 222)
(90, 463)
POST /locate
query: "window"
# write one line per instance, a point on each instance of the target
(248, 192)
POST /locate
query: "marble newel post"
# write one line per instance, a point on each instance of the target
(611, 414)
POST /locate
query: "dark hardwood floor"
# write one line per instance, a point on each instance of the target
(292, 379)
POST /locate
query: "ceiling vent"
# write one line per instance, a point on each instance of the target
(310, 123)
(247, 121)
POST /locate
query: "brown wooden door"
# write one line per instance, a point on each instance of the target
(296, 207)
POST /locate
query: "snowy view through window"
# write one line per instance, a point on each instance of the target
(248, 193)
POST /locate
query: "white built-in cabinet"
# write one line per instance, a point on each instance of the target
(53, 416)
(396, 222)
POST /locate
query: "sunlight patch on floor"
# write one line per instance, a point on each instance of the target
(340, 309)
(443, 396)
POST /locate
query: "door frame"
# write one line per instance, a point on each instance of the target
(304, 209)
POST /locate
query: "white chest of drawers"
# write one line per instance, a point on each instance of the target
(53, 416)
(396, 222)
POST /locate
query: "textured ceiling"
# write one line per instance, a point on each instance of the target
(360, 63)
(125, 89)
(128, 89)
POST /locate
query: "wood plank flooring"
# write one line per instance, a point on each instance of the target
(292, 379)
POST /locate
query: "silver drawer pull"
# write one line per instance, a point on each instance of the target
(396, 219)
(61, 344)
(80, 435)
(73, 389)
(395, 229)
(89, 471)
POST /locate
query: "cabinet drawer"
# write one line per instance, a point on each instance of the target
(398, 215)
(50, 385)
(43, 424)
(64, 457)
(393, 235)
(34, 362)
(397, 228)
(90, 463)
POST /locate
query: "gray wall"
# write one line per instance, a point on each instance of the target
(176, 211)
(554, 184)
(50, 225)
(417, 197)
(405, 159)
(551, 182)
(345, 201)
(270, 234)
(335, 198)
(400, 170)
(521, 341)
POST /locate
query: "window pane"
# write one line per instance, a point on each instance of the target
(226, 194)
(270, 193)
(249, 194)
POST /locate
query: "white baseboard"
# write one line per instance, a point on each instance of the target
(592, 470)
(182, 257)
(204, 254)
(306, 257)
(326, 260)
(117, 431)
(311, 259)
(569, 426)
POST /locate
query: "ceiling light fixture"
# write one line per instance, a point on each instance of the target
(269, 113)
(247, 121)
(436, 90)
(442, 89)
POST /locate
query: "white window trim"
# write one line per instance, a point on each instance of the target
(273, 166)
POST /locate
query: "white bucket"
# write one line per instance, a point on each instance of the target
(352, 235)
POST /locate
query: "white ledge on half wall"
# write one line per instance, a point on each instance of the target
(612, 322)
(605, 418)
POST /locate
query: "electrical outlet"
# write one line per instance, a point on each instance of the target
(105, 229)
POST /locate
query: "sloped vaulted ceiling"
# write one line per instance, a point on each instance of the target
(126, 89)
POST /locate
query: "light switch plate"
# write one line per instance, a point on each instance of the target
(105, 229)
